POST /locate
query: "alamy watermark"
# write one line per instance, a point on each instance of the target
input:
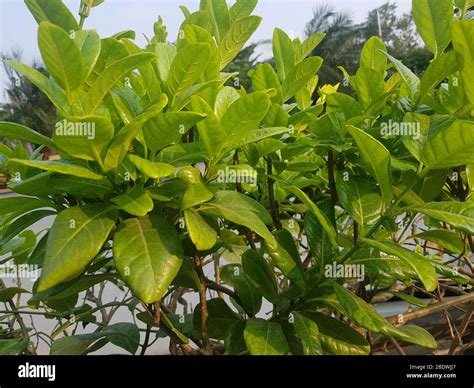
(394, 128)
(24, 271)
(75, 128)
(345, 271)
(237, 175)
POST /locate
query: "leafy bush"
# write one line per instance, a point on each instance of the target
(168, 178)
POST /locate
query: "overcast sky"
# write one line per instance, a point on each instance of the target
(18, 28)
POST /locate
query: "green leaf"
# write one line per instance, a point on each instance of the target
(235, 39)
(202, 235)
(220, 318)
(148, 255)
(265, 78)
(283, 53)
(187, 67)
(166, 55)
(76, 345)
(220, 18)
(300, 75)
(447, 239)
(459, 215)
(112, 75)
(308, 46)
(152, 169)
(433, 19)
(10, 231)
(123, 335)
(7, 294)
(89, 43)
(409, 78)
(264, 338)
(359, 198)
(450, 147)
(49, 183)
(376, 158)
(121, 142)
(338, 338)
(135, 201)
(60, 167)
(260, 276)
(50, 89)
(243, 116)
(197, 191)
(234, 341)
(421, 265)
(241, 210)
(168, 128)
(413, 334)
(12, 207)
(414, 301)
(84, 137)
(286, 257)
(242, 9)
(322, 218)
(61, 56)
(210, 130)
(464, 5)
(438, 70)
(369, 85)
(53, 11)
(13, 347)
(75, 239)
(372, 55)
(19, 132)
(308, 332)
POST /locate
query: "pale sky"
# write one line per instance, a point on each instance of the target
(19, 29)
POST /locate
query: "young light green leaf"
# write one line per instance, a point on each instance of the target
(463, 34)
(300, 75)
(372, 55)
(265, 78)
(283, 52)
(19, 132)
(242, 9)
(153, 170)
(53, 11)
(308, 332)
(61, 56)
(89, 43)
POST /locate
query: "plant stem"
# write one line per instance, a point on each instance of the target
(203, 300)
(271, 196)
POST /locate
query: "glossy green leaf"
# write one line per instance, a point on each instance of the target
(265, 78)
(148, 255)
(220, 318)
(89, 44)
(235, 39)
(264, 338)
(112, 75)
(19, 132)
(308, 46)
(187, 67)
(438, 70)
(55, 94)
(61, 56)
(53, 11)
(322, 218)
(376, 158)
(308, 332)
(338, 338)
(283, 53)
(242, 210)
(135, 201)
(13, 347)
(372, 56)
(243, 116)
(411, 81)
(433, 19)
(460, 215)
(260, 276)
(450, 147)
(242, 9)
(422, 266)
(168, 128)
(450, 240)
(152, 169)
(300, 75)
(220, 17)
(76, 237)
(202, 235)
(60, 167)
